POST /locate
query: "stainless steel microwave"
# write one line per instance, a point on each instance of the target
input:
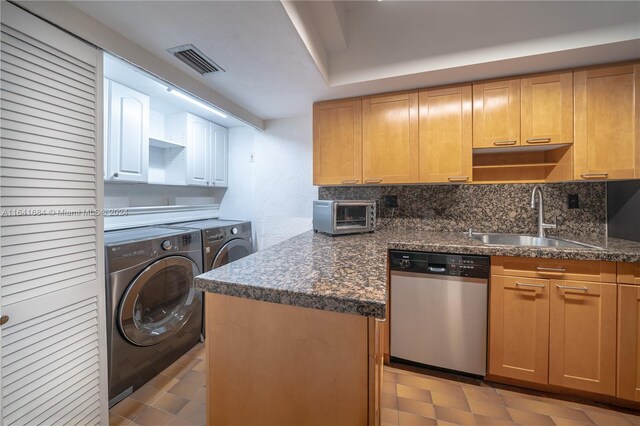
(336, 217)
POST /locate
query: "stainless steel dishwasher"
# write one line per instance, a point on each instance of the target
(438, 310)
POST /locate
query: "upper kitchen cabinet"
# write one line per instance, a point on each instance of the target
(607, 123)
(547, 109)
(390, 138)
(218, 156)
(496, 114)
(445, 153)
(127, 134)
(337, 142)
(206, 148)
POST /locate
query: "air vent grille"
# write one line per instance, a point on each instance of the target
(197, 60)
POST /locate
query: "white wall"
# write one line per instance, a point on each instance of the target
(276, 189)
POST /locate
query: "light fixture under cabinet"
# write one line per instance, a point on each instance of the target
(195, 102)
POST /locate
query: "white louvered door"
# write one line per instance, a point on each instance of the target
(53, 351)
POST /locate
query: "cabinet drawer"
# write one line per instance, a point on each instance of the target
(629, 273)
(559, 269)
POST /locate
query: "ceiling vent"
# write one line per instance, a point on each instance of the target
(197, 60)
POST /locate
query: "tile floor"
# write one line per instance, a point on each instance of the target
(176, 398)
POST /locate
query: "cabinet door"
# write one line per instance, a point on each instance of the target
(445, 135)
(519, 328)
(128, 134)
(198, 146)
(496, 114)
(219, 158)
(547, 109)
(629, 342)
(582, 347)
(337, 142)
(607, 123)
(390, 138)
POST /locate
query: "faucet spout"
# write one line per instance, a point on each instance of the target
(537, 190)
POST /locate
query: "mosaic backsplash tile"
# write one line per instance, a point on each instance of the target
(486, 208)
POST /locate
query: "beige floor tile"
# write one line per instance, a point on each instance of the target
(454, 416)
(128, 408)
(549, 409)
(388, 416)
(488, 409)
(201, 367)
(608, 419)
(162, 382)
(482, 394)
(193, 412)
(185, 389)
(147, 394)
(439, 385)
(389, 376)
(170, 403)
(492, 421)
(633, 419)
(559, 421)
(443, 423)
(153, 417)
(408, 419)
(523, 417)
(449, 401)
(389, 388)
(389, 401)
(416, 407)
(417, 394)
(179, 421)
(116, 420)
(195, 377)
(201, 397)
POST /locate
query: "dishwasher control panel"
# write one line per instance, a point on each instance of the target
(439, 263)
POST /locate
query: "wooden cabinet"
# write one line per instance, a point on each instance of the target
(390, 138)
(607, 123)
(519, 328)
(629, 342)
(127, 139)
(629, 273)
(554, 322)
(547, 109)
(496, 114)
(337, 142)
(582, 337)
(445, 153)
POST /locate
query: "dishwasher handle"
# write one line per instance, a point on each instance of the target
(437, 269)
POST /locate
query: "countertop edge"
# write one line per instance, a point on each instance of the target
(342, 305)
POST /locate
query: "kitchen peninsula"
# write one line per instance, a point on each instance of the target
(294, 330)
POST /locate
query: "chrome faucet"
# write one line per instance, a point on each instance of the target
(541, 225)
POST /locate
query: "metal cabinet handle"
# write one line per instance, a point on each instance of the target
(373, 181)
(570, 287)
(539, 140)
(458, 178)
(503, 143)
(350, 181)
(529, 285)
(4, 319)
(549, 269)
(594, 175)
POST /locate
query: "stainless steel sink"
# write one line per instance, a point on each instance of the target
(529, 241)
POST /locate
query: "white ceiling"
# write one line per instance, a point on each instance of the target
(280, 57)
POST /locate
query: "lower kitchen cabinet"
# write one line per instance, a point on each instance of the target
(519, 328)
(629, 342)
(582, 336)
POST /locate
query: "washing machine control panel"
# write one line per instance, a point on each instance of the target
(166, 245)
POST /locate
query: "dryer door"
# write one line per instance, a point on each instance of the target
(232, 250)
(159, 301)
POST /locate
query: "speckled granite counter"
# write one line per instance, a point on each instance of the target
(348, 273)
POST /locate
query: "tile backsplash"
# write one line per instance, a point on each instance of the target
(487, 208)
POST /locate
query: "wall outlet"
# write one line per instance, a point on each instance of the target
(390, 201)
(252, 157)
(573, 201)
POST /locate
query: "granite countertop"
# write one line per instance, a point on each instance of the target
(348, 273)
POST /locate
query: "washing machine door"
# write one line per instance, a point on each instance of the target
(232, 250)
(159, 301)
